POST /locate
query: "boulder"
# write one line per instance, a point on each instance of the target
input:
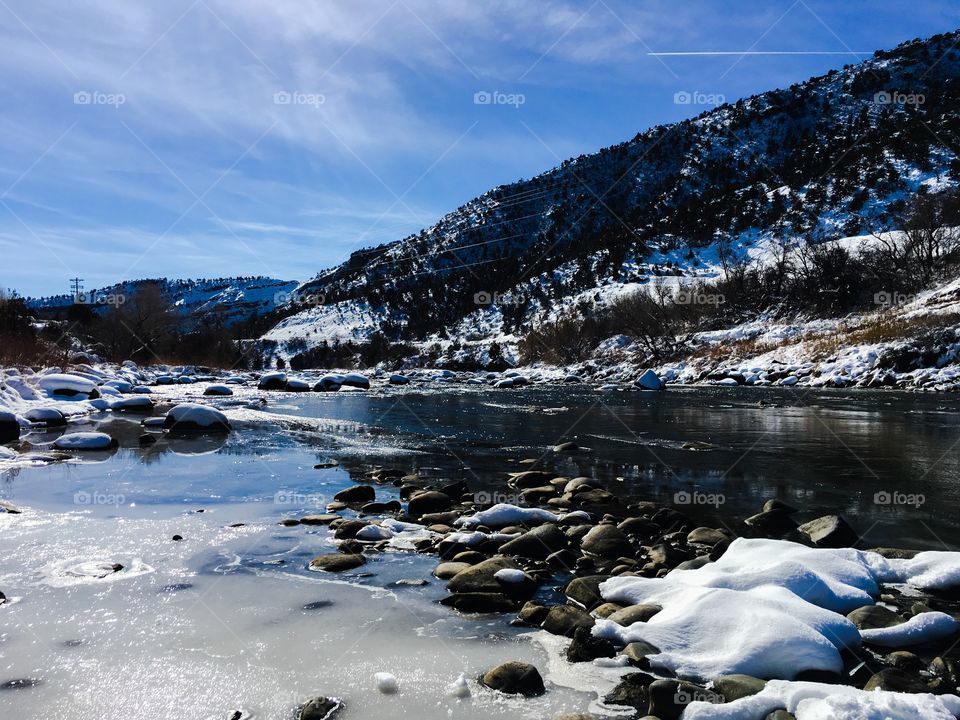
(585, 647)
(538, 544)
(734, 687)
(428, 502)
(706, 536)
(565, 619)
(830, 531)
(481, 578)
(607, 541)
(515, 678)
(871, 617)
(633, 690)
(585, 591)
(51, 417)
(9, 427)
(634, 613)
(191, 418)
(337, 562)
(356, 494)
(896, 680)
(273, 381)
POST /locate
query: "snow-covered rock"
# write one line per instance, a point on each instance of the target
(504, 514)
(67, 385)
(85, 441)
(193, 418)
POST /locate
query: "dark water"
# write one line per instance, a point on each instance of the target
(889, 462)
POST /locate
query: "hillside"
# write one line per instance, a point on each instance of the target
(834, 156)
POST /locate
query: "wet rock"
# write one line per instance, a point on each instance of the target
(324, 519)
(608, 542)
(565, 619)
(448, 570)
(428, 502)
(585, 591)
(633, 690)
(20, 684)
(356, 494)
(871, 617)
(470, 557)
(530, 479)
(734, 687)
(348, 529)
(338, 562)
(830, 531)
(320, 708)
(586, 648)
(896, 680)
(639, 527)
(538, 544)
(382, 508)
(289, 522)
(634, 613)
(442, 518)
(515, 678)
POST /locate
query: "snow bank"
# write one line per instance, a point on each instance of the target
(505, 514)
(818, 701)
(768, 608)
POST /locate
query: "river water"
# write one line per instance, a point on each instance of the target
(230, 618)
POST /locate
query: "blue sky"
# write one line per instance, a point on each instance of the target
(210, 138)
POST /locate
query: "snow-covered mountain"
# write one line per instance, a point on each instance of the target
(830, 157)
(230, 300)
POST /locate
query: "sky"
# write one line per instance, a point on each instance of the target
(216, 138)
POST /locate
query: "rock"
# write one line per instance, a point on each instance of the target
(398, 379)
(515, 678)
(85, 441)
(871, 617)
(533, 614)
(896, 680)
(649, 380)
(667, 555)
(191, 418)
(895, 553)
(470, 557)
(356, 380)
(608, 542)
(669, 698)
(639, 527)
(538, 544)
(633, 690)
(585, 591)
(427, 502)
(218, 390)
(348, 529)
(480, 602)
(634, 613)
(772, 522)
(273, 381)
(565, 619)
(8, 507)
(706, 536)
(338, 562)
(177, 538)
(780, 715)
(638, 651)
(146, 439)
(320, 708)
(481, 577)
(51, 417)
(779, 506)
(830, 531)
(356, 494)
(734, 687)
(324, 519)
(905, 660)
(586, 648)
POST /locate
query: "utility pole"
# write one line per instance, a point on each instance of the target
(77, 287)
